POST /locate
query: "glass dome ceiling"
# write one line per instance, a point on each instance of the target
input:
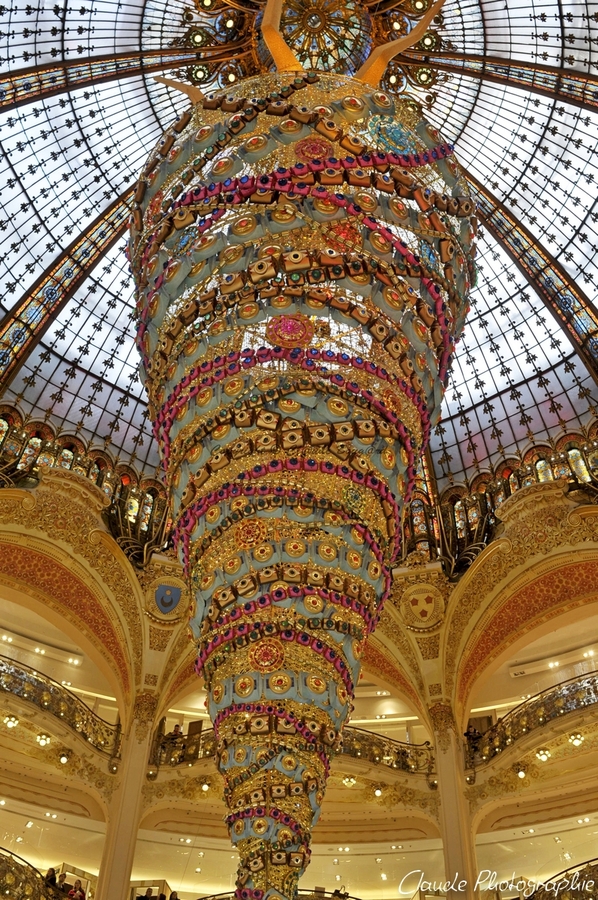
(514, 85)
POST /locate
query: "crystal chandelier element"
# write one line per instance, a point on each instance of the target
(302, 249)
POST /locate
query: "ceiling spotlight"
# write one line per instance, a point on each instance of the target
(2, 802)
(378, 859)
(543, 754)
(531, 830)
(29, 824)
(64, 757)
(576, 738)
(19, 840)
(378, 792)
(588, 653)
(198, 870)
(347, 849)
(396, 26)
(201, 854)
(335, 862)
(205, 786)
(11, 721)
(383, 876)
(349, 780)
(42, 740)
(230, 23)
(6, 638)
(232, 77)
(521, 770)
(337, 877)
(552, 665)
(582, 821)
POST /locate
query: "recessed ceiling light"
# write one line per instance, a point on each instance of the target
(576, 739)
(383, 876)
(29, 824)
(198, 870)
(19, 840)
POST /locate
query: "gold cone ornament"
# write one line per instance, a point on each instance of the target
(302, 248)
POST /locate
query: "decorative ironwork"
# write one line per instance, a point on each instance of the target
(380, 750)
(577, 883)
(29, 85)
(138, 513)
(138, 534)
(536, 712)
(577, 88)
(328, 35)
(456, 528)
(53, 698)
(25, 324)
(357, 743)
(20, 881)
(564, 298)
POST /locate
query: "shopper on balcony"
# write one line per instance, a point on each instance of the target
(62, 885)
(50, 879)
(77, 892)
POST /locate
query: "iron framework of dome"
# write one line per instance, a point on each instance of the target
(514, 87)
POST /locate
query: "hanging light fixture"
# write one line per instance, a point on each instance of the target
(11, 721)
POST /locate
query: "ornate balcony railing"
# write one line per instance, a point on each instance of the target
(21, 681)
(577, 883)
(357, 743)
(20, 881)
(536, 712)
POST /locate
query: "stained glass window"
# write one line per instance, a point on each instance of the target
(578, 465)
(544, 471)
(29, 454)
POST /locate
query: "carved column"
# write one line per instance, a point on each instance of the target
(124, 811)
(455, 821)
